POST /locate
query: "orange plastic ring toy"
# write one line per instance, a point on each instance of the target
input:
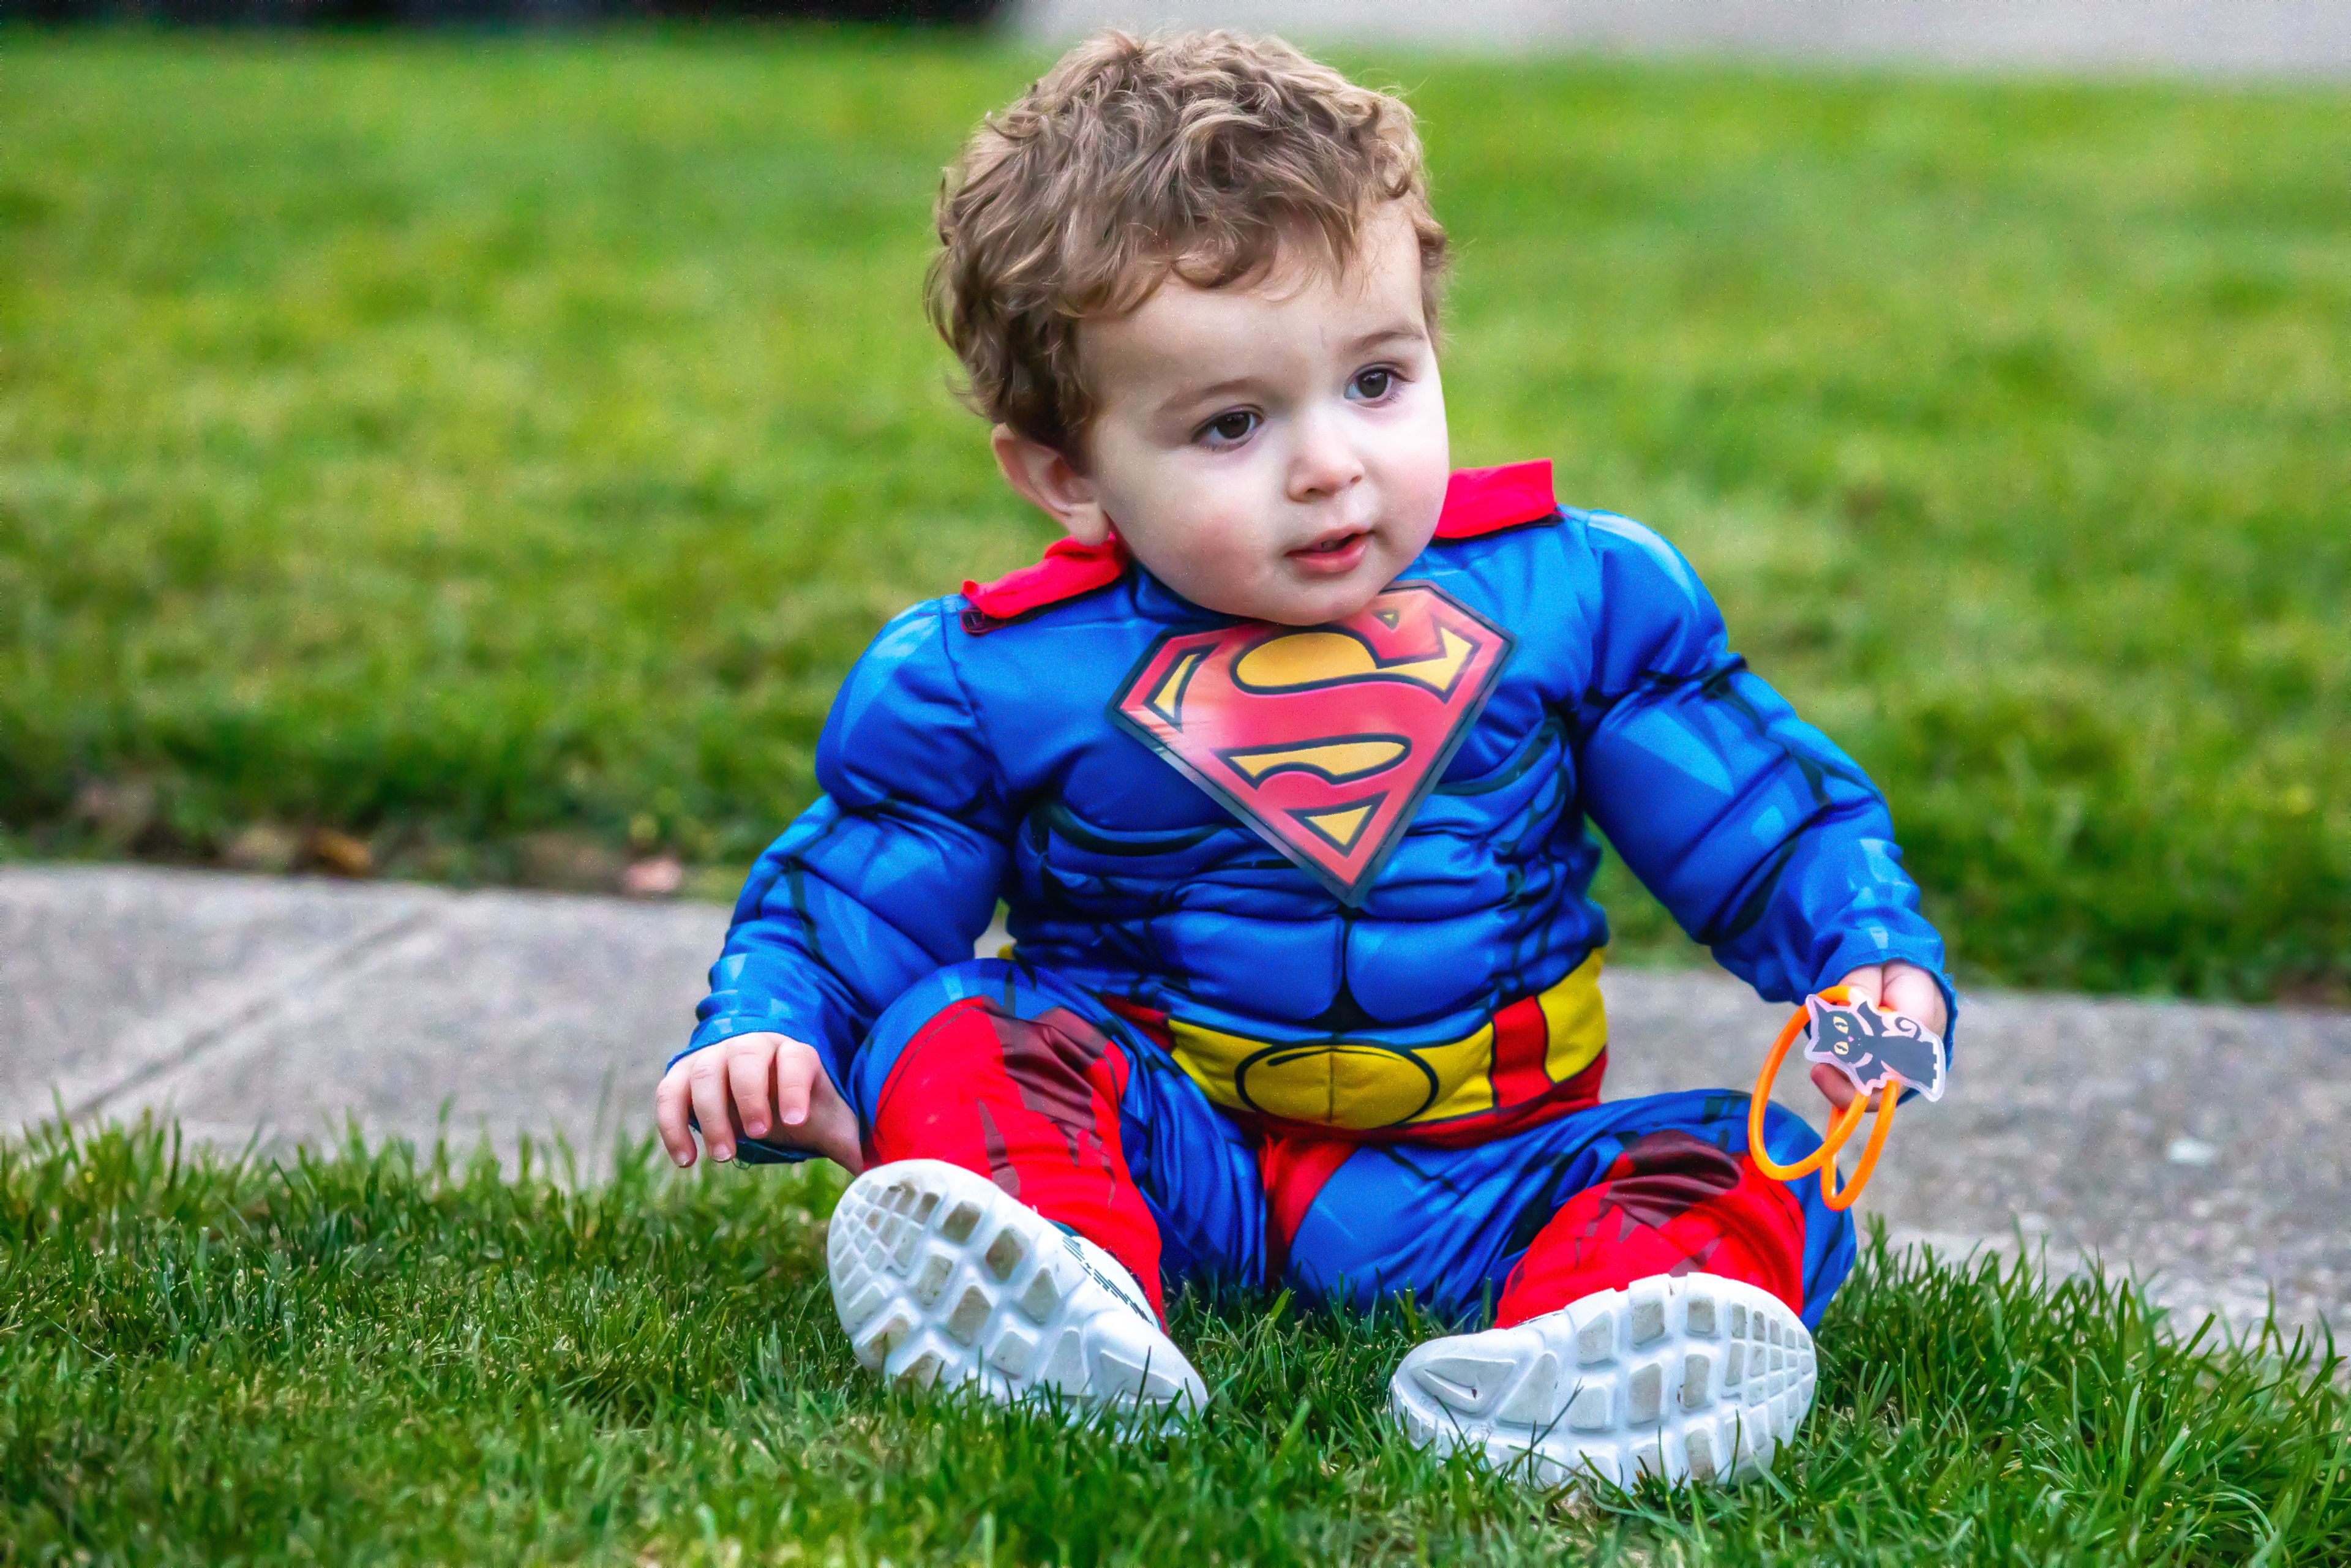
(1841, 1128)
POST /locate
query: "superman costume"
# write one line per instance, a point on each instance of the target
(1304, 982)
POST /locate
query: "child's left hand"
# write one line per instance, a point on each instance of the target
(1905, 989)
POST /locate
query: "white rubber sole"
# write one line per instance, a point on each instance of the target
(943, 1279)
(1693, 1378)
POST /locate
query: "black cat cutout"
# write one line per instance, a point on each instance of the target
(1870, 1045)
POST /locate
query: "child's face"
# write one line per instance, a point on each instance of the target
(1275, 449)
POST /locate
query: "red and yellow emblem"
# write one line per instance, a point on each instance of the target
(1323, 739)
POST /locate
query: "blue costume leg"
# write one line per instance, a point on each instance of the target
(1590, 1201)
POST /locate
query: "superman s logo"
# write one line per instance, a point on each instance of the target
(1323, 739)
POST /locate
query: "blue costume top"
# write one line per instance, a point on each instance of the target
(1341, 872)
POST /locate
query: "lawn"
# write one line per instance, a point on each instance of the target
(499, 449)
(374, 1358)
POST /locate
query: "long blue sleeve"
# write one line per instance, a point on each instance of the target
(1765, 841)
(893, 873)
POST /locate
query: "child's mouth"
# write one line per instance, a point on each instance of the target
(1333, 556)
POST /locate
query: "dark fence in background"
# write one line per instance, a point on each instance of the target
(477, 12)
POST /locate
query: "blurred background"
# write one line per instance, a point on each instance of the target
(453, 441)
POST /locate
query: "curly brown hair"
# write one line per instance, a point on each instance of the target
(1199, 154)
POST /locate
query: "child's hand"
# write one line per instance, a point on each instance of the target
(760, 1086)
(1905, 989)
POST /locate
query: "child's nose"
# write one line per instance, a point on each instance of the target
(1325, 462)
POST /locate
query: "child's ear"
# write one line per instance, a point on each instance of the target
(1049, 480)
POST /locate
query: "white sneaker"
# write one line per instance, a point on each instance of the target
(1694, 1376)
(941, 1278)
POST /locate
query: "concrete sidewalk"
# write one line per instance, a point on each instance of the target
(2203, 1146)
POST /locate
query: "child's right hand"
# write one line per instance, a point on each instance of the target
(763, 1086)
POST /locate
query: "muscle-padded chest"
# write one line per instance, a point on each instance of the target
(1403, 760)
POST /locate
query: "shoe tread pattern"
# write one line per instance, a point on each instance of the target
(1689, 1377)
(941, 1278)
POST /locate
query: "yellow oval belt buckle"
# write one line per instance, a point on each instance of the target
(1879, 1051)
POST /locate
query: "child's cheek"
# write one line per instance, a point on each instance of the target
(1225, 524)
(1240, 550)
(1412, 468)
(1216, 559)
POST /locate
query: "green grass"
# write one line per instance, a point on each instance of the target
(460, 440)
(371, 1358)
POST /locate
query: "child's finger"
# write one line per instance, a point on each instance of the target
(796, 1073)
(752, 1073)
(1837, 1089)
(1866, 984)
(669, 1117)
(1911, 992)
(708, 1079)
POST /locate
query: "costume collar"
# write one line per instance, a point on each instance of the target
(1477, 501)
(1488, 500)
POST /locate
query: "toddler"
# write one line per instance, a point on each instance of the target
(1285, 761)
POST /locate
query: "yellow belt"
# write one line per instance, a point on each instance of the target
(1361, 1084)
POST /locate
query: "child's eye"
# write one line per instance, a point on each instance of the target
(1375, 384)
(1226, 429)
